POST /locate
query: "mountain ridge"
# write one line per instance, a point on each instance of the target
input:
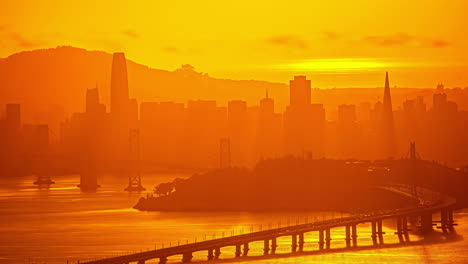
(53, 82)
(44, 73)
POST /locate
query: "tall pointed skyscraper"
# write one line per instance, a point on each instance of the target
(119, 87)
(119, 107)
(388, 134)
(387, 101)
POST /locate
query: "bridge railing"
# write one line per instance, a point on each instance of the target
(427, 201)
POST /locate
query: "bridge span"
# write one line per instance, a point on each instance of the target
(426, 204)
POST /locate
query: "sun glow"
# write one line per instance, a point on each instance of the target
(338, 65)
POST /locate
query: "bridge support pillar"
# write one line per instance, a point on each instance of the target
(238, 251)
(210, 254)
(246, 250)
(274, 245)
(141, 262)
(354, 235)
(162, 260)
(380, 231)
(426, 222)
(187, 257)
(301, 242)
(444, 219)
(399, 231)
(327, 238)
(348, 236)
(294, 243)
(266, 247)
(217, 253)
(374, 233)
(450, 221)
(321, 240)
(404, 227)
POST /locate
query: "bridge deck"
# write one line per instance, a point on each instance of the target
(423, 206)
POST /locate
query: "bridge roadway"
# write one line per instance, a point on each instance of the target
(427, 205)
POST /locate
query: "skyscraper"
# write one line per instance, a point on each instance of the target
(119, 107)
(267, 105)
(299, 90)
(238, 132)
(348, 132)
(303, 121)
(387, 125)
(387, 101)
(13, 126)
(92, 101)
(268, 129)
(13, 118)
(119, 86)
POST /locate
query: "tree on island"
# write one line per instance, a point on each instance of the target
(164, 189)
(291, 183)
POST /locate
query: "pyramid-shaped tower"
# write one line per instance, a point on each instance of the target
(387, 132)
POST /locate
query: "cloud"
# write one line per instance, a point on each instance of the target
(438, 43)
(403, 39)
(131, 33)
(178, 50)
(331, 35)
(292, 41)
(23, 42)
(171, 49)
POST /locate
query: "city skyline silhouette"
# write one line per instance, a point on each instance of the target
(233, 132)
(188, 135)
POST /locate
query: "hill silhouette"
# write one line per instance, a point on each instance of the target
(296, 184)
(60, 76)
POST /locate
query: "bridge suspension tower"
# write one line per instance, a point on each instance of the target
(414, 157)
(134, 177)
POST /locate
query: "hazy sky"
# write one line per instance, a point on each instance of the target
(336, 43)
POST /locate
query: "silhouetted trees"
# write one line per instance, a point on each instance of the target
(303, 184)
(164, 189)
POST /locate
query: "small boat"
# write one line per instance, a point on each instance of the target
(43, 180)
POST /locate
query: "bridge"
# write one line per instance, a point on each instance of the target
(426, 203)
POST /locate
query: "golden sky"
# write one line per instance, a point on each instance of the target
(336, 43)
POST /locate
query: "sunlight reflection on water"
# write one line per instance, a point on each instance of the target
(62, 223)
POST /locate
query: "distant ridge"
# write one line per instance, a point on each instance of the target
(61, 75)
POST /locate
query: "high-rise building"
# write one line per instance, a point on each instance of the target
(303, 122)
(162, 126)
(133, 112)
(121, 108)
(13, 118)
(119, 86)
(36, 138)
(299, 92)
(12, 128)
(268, 130)
(92, 102)
(267, 105)
(439, 100)
(238, 132)
(348, 132)
(346, 114)
(387, 125)
(205, 124)
(442, 106)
